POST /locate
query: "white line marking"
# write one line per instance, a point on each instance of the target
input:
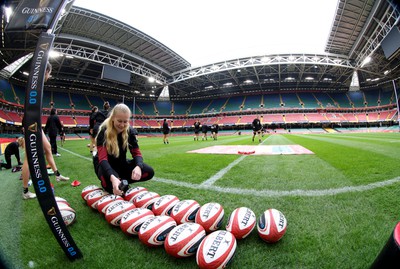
(222, 172)
(266, 193)
(277, 193)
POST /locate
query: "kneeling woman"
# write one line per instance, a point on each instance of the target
(114, 139)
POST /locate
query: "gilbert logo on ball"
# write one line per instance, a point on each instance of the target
(93, 198)
(146, 199)
(115, 211)
(154, 230)
(130, 193)
(272, 225)
(106, 200)
(210, 216)
(184, 240)
(216, 250)
(133, 219)
(163, 205)
(185, 211)
(241, 222)
(89, 189)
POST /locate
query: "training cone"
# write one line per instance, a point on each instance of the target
(389, 257)
(75, 183)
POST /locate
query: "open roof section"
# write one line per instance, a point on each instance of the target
(88, 40)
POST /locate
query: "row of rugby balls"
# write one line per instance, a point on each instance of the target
(67, 212)
(182, 226)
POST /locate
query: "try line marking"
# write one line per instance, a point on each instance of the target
(208, 184)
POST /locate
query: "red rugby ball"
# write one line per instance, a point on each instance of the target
(271, 225)
(185, 211)
(210, 216)
(131, 192)
(146, 199)
(93, 198)
(133, 219)
(89, 189)
(216, 250)
(164, 205)
(106, 200)
(154, 230)
(241, 222)
(183, 240)
(61, 200)
(115, 211)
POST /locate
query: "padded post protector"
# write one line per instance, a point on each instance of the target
(389, 257)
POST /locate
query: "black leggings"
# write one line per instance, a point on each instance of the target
(147, 173)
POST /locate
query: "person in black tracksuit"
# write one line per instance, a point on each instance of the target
(13, 149)
(53, 127)
(115, 138)
(165, 130)
(197, 127)
(92, 144)
(99, 117)
(204, 130)
(256, 125)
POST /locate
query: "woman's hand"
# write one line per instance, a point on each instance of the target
(136, 173)
(115, 182)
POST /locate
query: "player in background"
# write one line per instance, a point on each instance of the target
(165, 130)
(92, 145)
(204, 130)
(197, 127)
(256, 125)
(13, 149)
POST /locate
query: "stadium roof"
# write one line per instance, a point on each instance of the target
(87, 40)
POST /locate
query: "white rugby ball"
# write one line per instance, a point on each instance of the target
(164, 204)
(146, 199)
(185, 211)
(131, 192)
(271, 225)
(93, 197)
(106, 200)
(210, 216)
(216, 250)
(133, 219)
(184, 240)
(89, 189)
(154, 230)
(115, 211)
(67, 213)
(61, 200)
(241, 222)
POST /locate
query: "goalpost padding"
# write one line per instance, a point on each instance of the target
(389, 257)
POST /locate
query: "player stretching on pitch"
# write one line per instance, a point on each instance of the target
(256, 124)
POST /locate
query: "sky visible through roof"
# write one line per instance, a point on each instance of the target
(210, 31)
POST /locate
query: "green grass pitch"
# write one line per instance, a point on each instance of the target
(341, 203)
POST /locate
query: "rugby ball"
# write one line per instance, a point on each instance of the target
(185, 211)
(154, 230)
(241, 222)
(115, 211)
(271, 225)
(61, 200)
(210, 216)
(67, 213)
(131, 192)
(106, 200)
(183, 240)
(93, 198)
(164, 204)
(145, 199)
(88, 189)
(216, 250)
(133, 219)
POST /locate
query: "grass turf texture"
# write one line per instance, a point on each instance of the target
(325, 229)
